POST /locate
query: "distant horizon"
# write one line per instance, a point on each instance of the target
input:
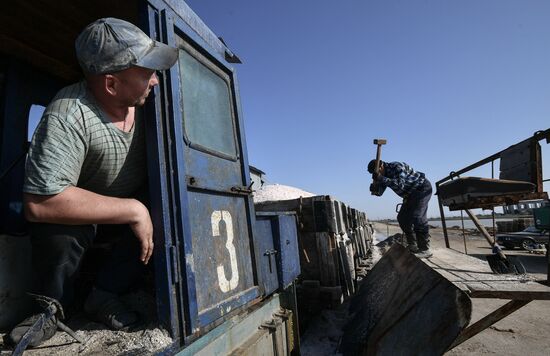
(457, 217)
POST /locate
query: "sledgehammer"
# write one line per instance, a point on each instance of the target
(378, 142)
(375, 190)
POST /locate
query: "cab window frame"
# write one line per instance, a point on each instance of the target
(210, 64)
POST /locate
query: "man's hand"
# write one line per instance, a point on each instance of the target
(373, 188)
(377, 178)
(377, 186)
(143, 229)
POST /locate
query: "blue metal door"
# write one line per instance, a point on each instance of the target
(267, 259)
(211, 176)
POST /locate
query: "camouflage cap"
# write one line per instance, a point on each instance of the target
(110, 45)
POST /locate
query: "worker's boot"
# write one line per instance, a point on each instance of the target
(423, 245)
(411, 242)
(107, 308)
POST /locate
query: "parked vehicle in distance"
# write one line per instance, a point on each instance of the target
(527, 239)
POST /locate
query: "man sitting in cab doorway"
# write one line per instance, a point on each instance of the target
(416, 191)
(85, 166)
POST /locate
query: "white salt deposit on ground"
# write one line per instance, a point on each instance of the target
(99, 341)
(377, 237)
(273, 192)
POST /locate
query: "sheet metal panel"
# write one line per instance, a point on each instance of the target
(212, 172)
(234, 333)
(197, 25)
(521, 162)
(286, 243)
(221, 261)
(164, 200)
(267, 254)
(215, 237)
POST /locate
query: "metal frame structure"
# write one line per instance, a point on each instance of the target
(490, 202)
(518, 297)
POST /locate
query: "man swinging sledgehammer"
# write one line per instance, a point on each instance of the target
(416, 191)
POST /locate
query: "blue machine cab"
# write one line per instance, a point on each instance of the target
(223, 278)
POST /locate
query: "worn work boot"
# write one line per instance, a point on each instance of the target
(423, 245)
(424, 253)
(411, 243)
(108, 309)
(45, 333)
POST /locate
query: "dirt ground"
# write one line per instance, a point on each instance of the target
(524, 332)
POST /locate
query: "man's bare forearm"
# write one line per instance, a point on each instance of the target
(76, 206)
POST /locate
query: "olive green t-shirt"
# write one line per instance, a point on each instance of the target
(75, 144)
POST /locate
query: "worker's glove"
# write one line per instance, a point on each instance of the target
(377, 178)
(375, 189)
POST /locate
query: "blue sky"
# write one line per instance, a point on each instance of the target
(447, 83)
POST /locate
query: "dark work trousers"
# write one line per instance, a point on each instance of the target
(413, 213)
(57, 252)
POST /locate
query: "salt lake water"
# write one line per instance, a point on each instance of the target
(468, 224)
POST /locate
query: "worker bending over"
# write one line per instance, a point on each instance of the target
(416, 191)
